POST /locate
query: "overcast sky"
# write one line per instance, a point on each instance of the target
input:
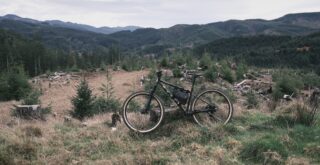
(153, 13)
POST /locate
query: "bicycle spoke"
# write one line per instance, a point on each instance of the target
(140, 117)
(206, 102)
(215, 117)
(216, 108)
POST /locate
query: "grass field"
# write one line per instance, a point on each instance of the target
(254, 136)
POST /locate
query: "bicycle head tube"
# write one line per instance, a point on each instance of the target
(159, 74)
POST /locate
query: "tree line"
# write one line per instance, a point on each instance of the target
(35, 58)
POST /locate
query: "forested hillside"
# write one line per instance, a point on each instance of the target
(37, 58)
(268, 51)
(42, 46)
(81, 38)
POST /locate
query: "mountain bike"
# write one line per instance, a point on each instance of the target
(143, 111)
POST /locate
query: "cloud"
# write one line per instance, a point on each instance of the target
(153, 13)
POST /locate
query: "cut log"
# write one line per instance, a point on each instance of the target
(28, 111)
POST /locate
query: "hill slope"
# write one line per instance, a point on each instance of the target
(79, 37)
(188, 35)
(268, 51)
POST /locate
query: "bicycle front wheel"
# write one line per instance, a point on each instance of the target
(142, 112)
(211, 107)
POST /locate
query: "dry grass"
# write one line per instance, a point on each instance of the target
(176, 141)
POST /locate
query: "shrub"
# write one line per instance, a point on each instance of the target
(106, 102)
(311, 79)
(177, 73)
(191, 62)
(103, 66)
(6, 158)
(253, 150)
(164, 62)
(252, 101)
(179, 59)
(83, 101)
(32, 98)
(205, 61)
(14, 84)
(227, 73)
(297, 113)
(211, 74)
(286, 84)
(241, 70)
(102, 105)
(233, 98)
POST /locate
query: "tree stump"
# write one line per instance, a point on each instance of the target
(28, 111)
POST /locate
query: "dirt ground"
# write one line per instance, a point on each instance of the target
(59, 96)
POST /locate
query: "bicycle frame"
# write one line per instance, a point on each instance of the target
(162, 85)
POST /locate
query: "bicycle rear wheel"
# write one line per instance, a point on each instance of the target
(217, 106)
(141, 117)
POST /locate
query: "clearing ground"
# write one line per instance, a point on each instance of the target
(59, 96)
(254, 136)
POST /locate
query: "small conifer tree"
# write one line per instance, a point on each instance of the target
(83, 101)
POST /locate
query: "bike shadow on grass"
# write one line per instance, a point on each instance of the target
(172, 122)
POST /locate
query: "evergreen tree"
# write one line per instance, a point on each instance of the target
(83, 101)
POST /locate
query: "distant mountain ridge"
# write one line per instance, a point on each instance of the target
(76, 26)
(186, 35)
(85, 37)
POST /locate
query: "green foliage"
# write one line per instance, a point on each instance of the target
(251, 101)
(241, 70)
(177, 73)
(211, 74)
(286, 83)
(135, 62)
(32, 98)
(310, 79)
(107, 102)
(298, 113)
(305, 140)
(205, 61)
(253, 150)
(231, 95)
(191, 61)
(267, 51)
(83, 101)
(227, 73)
(6, 158)
(164, 62)
(74, 68)
(178, 59)
(103, 105)
(14, 84)
(107, 89)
